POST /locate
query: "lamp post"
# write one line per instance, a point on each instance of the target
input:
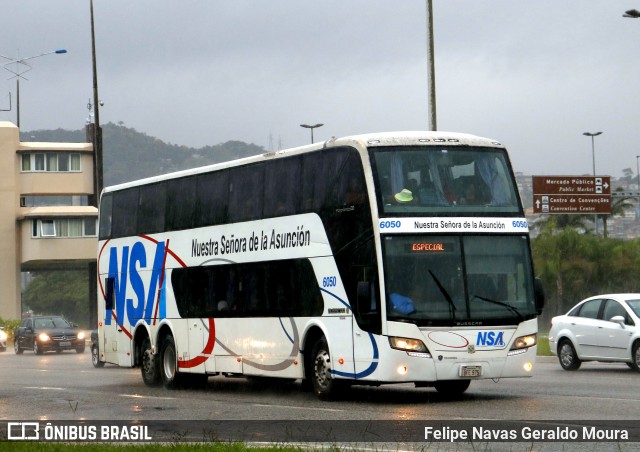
(632, 13)
(315, 126)
(638, 172)
(593, 158)
(22, 67)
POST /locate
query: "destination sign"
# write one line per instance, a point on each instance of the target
(572, 194)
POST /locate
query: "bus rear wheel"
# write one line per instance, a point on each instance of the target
(169, 364)
(149, 365)
(325, 386)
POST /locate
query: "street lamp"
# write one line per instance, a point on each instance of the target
(22, 67)
(593, 148)
(315, 126)
(593, 158)
(638, 171)
(632, 13)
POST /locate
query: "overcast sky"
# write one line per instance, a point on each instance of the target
(534, 75)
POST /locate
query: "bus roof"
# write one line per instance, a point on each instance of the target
(381, 139)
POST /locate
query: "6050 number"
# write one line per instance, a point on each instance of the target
(329, 281)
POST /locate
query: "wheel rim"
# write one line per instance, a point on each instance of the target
(636, 357)
(35, 347)
(566, 355)
(323, 369)
(169, 363)
(16, 347)
(94, 356)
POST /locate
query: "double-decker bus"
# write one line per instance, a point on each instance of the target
(371, 259)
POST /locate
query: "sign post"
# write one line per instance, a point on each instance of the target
(583, 195)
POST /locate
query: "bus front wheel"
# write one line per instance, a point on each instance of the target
(149, 365)
(452, 388)
(325, 386)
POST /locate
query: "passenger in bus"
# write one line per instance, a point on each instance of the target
(427, 193)
(401, 304)
(473, 192)
(356, 192)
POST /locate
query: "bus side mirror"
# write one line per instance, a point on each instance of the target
(363, 302)
(538, 293)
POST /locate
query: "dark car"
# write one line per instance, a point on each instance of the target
(48, 333)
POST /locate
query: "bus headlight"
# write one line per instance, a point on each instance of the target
(414, 347)
(522, 343)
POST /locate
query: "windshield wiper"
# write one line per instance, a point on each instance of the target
(452, 310)
(500, 303)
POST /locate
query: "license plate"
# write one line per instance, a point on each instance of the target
(470, 371)
(65, 344)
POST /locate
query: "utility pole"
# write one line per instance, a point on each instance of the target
(431, 71)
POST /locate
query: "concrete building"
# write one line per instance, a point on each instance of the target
(46, 222)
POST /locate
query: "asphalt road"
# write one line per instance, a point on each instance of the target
(66, 387)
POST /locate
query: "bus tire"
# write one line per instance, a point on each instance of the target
(169, 364)
(95, 357)
(452, 388)
(149, 367)
(325, 386)
(567, 355)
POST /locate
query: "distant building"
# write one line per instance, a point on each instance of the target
(46, 222)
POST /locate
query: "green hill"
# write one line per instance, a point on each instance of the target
(131, 155)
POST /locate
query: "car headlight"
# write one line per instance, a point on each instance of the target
(408, 345)
(81, 335)
(44, 337)
(3, 336)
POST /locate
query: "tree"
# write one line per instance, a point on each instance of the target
(619, 204)
(60, 292)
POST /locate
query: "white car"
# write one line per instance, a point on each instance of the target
(600, 328)
(3, 340)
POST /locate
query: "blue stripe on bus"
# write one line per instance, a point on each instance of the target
(285, 331)
(369, 370)
(337, 298)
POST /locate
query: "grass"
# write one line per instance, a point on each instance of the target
(543, 346)
(18, 446)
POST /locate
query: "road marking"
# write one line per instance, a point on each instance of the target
(45, 388)
(289, 407)
(138, 396)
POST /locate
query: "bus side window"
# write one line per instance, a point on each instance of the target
(125, 212)
(246, 193)
(212, 198)
(106, 204)
(181, 200)
(282, 187)
(151, 208)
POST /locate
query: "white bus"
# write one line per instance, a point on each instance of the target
(372, 259)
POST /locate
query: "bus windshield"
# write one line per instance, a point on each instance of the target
(444, 179)
(450, 280)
